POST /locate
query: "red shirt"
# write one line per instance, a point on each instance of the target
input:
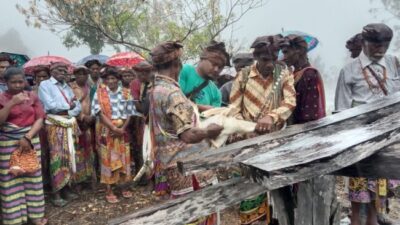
(26, 113)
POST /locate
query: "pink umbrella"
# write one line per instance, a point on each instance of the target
(124, 59)
(45, 61)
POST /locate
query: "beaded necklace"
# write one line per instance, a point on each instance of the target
(371, 86)
(277, 75)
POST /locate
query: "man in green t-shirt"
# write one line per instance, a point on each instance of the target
(197, 82)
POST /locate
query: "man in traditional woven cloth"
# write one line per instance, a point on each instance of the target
(263, 93)
(174, 129)
(62, 130)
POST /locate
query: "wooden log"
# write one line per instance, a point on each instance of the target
(230, 193)
(365, 135)
(194, 205)
(280, 178)
(317, 202)
(384, 164)
(341, 122)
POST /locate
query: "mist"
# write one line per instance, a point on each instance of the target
(11, 42)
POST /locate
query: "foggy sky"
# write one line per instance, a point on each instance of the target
(332, 21)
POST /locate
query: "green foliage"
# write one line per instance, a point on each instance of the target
(137, 25)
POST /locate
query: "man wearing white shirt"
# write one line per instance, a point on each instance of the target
(61, 107)
(371, 76)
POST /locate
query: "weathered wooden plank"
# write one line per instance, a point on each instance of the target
(231, 192)
(280, 178)
(237, 152)
(318, 144)
(194, 205)
(384, 164)
(375, 130)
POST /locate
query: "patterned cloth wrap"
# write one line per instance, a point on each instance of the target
(62, 133)
(114, 151)
(172, 113)
(22, 197)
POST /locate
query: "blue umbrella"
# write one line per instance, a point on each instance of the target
(101, 58)
(311, 40)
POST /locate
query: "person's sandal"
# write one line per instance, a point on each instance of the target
(112, 199)
(59, 202)
(127, 194)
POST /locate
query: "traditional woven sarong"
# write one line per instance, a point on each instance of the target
(62, 136)
(114, 156)
(21, 197)
(255, 97)
(84, 156)
(254, 209)
(365, 190)
(166, 147)
(44, 145)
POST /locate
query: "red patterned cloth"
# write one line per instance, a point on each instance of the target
(310, 96)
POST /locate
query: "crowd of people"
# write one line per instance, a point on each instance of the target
(91, 126)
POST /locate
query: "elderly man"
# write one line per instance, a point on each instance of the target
(61, 107)
(197, 82)
(263, 93)
(371, 76)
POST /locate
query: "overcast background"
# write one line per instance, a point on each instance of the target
(331, 21)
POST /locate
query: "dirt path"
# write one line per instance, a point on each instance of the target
(92, 209)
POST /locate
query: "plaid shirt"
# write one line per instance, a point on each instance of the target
(121, 101)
